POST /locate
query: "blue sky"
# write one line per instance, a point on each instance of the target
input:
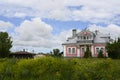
(42, 26)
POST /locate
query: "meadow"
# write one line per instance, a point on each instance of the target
(49, 68)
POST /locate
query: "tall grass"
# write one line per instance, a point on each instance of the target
(49, 68)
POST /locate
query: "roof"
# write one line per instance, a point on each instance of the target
(97, 37)
(85, 32)
(101, 38)
(22, 52)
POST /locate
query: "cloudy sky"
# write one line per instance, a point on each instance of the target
(42, 25)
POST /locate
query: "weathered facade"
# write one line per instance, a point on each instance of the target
(75, 46)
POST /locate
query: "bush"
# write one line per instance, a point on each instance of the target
(100, 54)
(88, 53)
(113, 49)
(49, 68)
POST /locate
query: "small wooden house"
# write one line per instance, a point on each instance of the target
(22, 54)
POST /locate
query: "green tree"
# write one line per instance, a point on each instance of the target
(113, 49)
(100, 54)
(87, 53)
(56, 53)
(5, 44)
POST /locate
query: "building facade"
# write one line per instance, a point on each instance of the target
(75, 46)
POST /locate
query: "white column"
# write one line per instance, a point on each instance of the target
(106, 54)
(78, 52)
(64, 47)
(92, 50)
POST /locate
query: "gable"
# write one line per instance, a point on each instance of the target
(85, 32)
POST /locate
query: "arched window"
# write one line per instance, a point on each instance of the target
(102, 49)
(69, 50)
(73, 50)
(97, 50)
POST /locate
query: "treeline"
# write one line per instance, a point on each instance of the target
(49, 68)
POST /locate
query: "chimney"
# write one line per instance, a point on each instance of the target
(74, 32)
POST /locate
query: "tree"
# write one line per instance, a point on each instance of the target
(57, 53)
(113, 49)
(5, 44)
(87, 53)
(100, 54)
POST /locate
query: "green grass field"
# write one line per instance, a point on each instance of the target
(49, 68)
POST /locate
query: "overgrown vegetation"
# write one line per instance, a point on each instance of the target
(100, 54)
(49, 68)
(88, 53)
(113, 49)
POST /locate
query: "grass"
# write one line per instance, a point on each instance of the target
(49, 68)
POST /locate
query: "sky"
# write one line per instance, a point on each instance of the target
(43, 25)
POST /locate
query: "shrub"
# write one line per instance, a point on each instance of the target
(88, 53)
(49, 68)
(100, 54)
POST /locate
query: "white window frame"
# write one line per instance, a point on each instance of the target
(70, 50)
(82, 49)
(73, 50)
(99, 47)
(97, 50)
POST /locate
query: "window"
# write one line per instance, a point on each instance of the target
(102, 49)
(83, 50)
(73, 50)
(97, 50)
(69, 50)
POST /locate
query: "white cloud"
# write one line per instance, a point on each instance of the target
(4, 26)
(59, 15)
(19, 14)
(37, 35)
(34, 33)
(94, 11)
(112, 29)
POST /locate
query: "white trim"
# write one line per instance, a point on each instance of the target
(78, 52)
(84, 49)
(99, 47)
(64, 50)
(92, 50)
(71, 50)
